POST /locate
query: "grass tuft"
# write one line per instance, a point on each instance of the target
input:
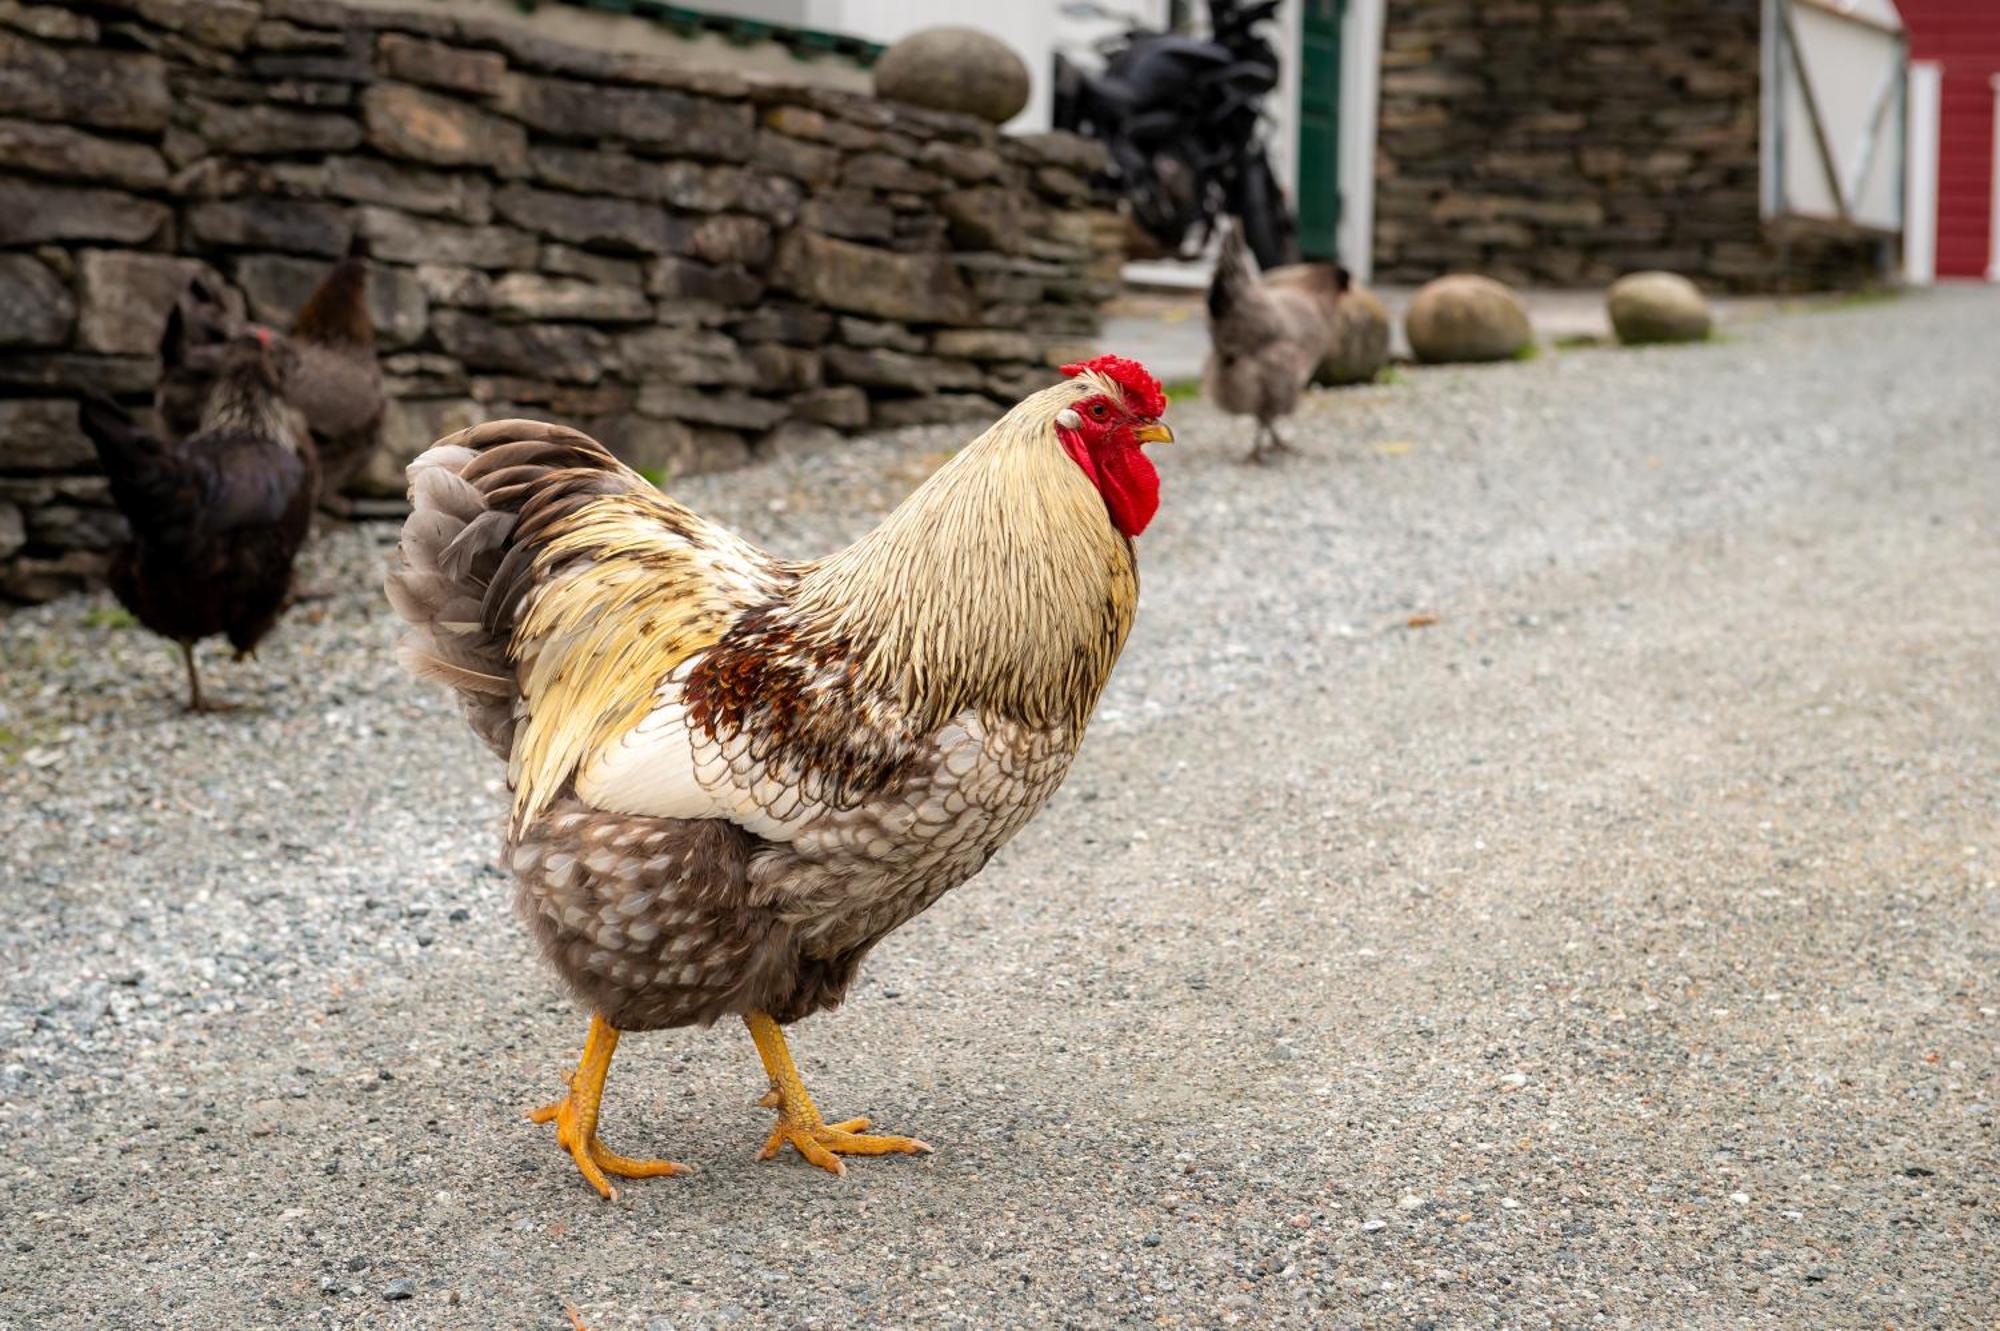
(110, 617)
(1864, 296)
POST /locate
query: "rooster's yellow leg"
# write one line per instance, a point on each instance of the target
(575, 1117)
(799, 1122)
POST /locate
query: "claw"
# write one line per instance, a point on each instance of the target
(823, 1144)
(595, 1160)
(575, 1117)
(799, 1123)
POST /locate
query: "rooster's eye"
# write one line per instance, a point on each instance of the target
(1097, 411)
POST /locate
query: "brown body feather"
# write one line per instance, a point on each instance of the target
(733, 774)
(338, 383)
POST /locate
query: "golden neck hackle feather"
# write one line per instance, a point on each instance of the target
(998, 583)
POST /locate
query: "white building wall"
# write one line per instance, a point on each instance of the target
(1029, 26)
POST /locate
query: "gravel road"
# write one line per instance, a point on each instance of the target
(1619, 947)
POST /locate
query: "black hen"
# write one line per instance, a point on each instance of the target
(217, 519)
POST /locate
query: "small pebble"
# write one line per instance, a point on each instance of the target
(402, 1287)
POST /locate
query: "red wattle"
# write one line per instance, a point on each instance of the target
(1123, 475)
(1130, 485)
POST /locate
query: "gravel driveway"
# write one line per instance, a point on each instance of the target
(1620, 948)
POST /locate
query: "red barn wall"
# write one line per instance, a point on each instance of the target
(1963, 37)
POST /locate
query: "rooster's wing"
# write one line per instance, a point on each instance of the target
(559, 593)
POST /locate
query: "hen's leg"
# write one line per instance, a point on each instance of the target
(194, 676)
(575, 1117)
(799, 1122)
(1266, 443)
(197, 700)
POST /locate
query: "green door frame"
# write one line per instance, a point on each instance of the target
(1319, 201)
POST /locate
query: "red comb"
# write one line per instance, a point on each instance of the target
(1129, 375)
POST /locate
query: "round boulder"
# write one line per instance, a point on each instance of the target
(1360, 340)
(955, 69)
(1465, 317)
(1658, 307)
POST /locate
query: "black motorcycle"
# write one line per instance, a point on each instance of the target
(1182, 118)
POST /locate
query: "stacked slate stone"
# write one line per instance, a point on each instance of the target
(1567, 142)
(686, 263)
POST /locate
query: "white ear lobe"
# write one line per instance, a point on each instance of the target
(1068, 419)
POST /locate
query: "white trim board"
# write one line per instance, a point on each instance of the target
(1920, 180)
(1360, 97)
(1993, 208)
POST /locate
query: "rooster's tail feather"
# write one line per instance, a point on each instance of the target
(453, 550)
(478, 501)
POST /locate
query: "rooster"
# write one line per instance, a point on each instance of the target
(1267, 337)
(733, 774)
(336, 381)
(216, 520)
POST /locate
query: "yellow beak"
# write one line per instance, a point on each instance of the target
(1153, 432)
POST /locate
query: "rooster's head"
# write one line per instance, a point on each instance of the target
(1103, 432)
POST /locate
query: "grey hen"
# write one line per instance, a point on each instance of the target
(1268, 335)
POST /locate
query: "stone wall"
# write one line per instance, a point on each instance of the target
(1566, 142)
(689, 264)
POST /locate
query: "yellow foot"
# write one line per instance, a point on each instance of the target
(592, 1156)
(824, 1143)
